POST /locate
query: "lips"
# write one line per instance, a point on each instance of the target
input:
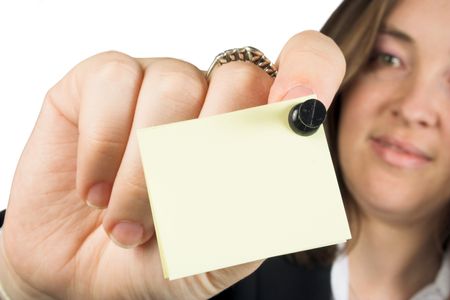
(399, 153)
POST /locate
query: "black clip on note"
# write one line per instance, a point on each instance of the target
(306, 117)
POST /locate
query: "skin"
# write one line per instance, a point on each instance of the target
(402, 101)
(83, 150)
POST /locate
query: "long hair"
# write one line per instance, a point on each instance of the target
(354, 26)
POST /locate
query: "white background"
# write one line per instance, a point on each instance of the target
(40, 40)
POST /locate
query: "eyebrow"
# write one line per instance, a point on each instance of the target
(394, 32)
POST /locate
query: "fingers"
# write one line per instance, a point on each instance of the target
(310, 63)
(171, 91)
(108, 94)
(96, 99)
(234, 86)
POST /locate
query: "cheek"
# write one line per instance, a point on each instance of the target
(354, 122)
(446, 164)
(361, 112)
(351, 136)
(375, 188)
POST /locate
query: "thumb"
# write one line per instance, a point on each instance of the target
(310, 63)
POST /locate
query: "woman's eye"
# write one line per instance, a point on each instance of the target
(387, 59)
(387, 66)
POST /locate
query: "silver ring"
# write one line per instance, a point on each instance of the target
(246, 54)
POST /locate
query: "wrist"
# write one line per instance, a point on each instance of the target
(8, 286)
(11, 286)
(3, 294)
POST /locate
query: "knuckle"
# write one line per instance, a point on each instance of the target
(52, 94)
(113, 55)
(133, 184)
(105, 142)
(174, 78)
(116, 67)
(54, 98)
(247, 74)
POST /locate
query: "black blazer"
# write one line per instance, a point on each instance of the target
(276, 279)
(2, 217)
(280, 279)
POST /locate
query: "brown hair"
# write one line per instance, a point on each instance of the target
(354, 26)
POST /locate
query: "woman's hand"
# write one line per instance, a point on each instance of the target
(84, 147)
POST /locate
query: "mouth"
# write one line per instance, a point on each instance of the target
(399, 153)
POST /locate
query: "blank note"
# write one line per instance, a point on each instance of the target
(239, 187)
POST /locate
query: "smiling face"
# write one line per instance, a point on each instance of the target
(394, 130)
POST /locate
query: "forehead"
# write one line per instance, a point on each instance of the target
(426, 22)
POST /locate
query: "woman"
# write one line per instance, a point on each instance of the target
(388, 127)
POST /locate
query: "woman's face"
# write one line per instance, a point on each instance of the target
(394, 134)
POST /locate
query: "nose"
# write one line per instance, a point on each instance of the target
(416, 105)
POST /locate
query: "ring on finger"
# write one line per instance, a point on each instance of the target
(245, 54)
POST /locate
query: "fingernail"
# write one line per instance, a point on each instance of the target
(127, 234)
(297, 92)
(98, 195)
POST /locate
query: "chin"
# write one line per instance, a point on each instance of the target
(391, 209)
(391, 192)
(395, 202)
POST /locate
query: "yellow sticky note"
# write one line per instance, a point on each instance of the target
(239, 187)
